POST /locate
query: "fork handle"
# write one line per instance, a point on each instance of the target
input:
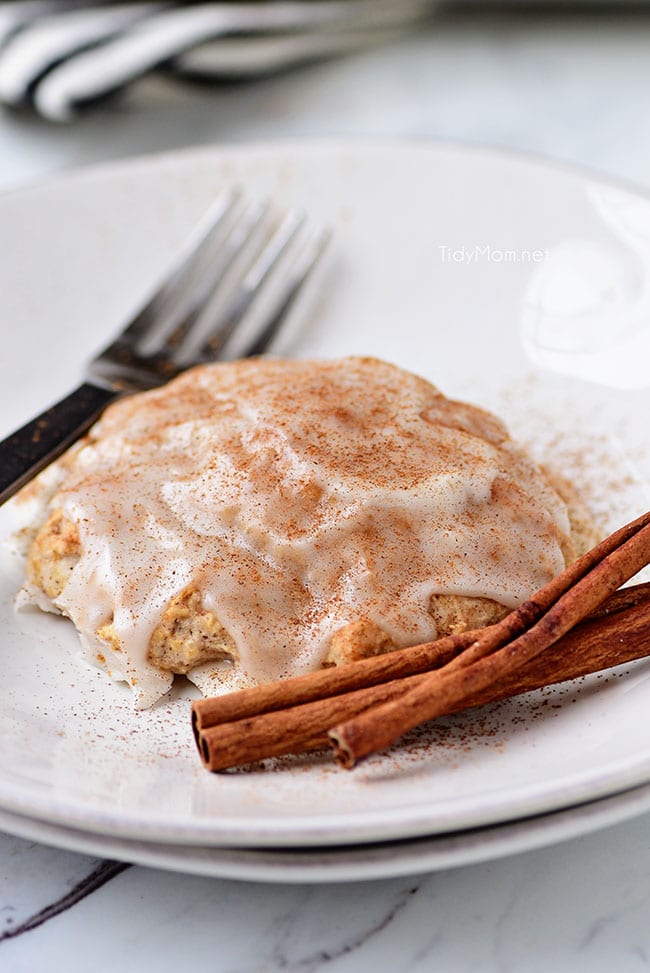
(29, 450)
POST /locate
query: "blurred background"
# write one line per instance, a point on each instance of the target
(83, 83)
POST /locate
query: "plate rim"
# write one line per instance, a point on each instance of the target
(371, 862)
(308, 830)
(306, 143)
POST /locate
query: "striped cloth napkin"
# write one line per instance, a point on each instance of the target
(59, 57)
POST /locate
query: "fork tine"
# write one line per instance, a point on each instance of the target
(235, 265)
(284, 282)
(254, 280)
(176, 286)
(210, 279)
(298, 274)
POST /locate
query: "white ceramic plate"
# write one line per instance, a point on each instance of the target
(344, 864)
(517, 285)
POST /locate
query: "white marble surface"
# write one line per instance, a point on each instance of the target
(574, 89)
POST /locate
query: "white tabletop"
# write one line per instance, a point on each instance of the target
(577, 90)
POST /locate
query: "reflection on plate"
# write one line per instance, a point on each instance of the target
(434, 275)
(586, 305)
(345, 864)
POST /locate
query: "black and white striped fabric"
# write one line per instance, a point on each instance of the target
(58, 57)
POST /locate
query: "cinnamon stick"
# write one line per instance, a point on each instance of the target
(619, 633)
(326, 683)
(492, 660)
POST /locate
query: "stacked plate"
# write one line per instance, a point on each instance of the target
(516, 285)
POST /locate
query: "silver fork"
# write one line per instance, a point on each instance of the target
(233, 287)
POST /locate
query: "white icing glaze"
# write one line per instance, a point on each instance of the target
(298, 496)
